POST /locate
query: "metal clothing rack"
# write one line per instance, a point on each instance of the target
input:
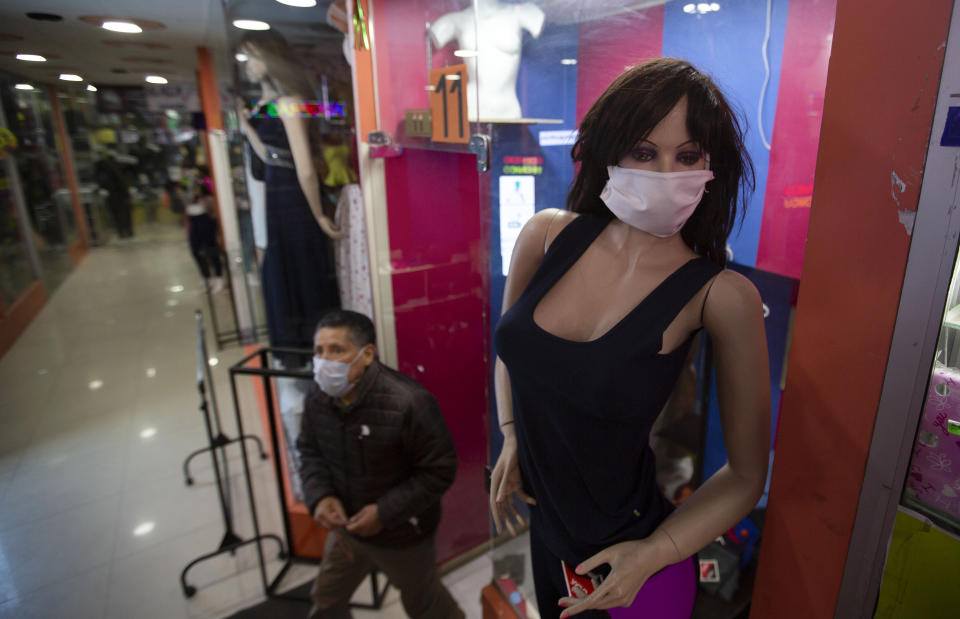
(219, 439)
(221, 467)
(265, 372)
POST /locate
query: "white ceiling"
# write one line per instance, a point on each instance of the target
(80, 47)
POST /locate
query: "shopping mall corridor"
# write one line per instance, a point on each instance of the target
(98, 408)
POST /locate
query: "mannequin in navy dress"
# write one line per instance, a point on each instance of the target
(298, 272)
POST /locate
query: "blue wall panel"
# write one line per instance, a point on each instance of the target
(727, 45)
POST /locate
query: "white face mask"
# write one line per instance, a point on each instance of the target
(333, 376)
(655, 202)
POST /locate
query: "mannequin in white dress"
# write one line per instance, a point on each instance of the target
(498, 38)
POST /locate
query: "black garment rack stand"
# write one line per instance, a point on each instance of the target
(219, 439)
(265, 372)
(218, 443)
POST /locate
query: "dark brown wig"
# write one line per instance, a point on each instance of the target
(627, 112)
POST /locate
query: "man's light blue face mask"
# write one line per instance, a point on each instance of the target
(333, 376)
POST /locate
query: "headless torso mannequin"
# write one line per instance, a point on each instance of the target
(498, 38)
(575, 278)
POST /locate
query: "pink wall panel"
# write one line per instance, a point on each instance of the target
(609, 45)
(439, 255)
(402, 56)
(796, 134)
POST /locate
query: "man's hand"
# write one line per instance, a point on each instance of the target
(329, 513)
(366, 522)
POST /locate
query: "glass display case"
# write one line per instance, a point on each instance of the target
(16, 270)
(29, 117)
(933, 483)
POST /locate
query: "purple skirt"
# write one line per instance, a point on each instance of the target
(668, 594)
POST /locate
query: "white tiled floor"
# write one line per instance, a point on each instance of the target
(98, 409)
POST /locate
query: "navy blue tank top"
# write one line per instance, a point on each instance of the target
(583, 410)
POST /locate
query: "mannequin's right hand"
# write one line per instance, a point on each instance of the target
(505, 482)
(329, 513)
(330, 229)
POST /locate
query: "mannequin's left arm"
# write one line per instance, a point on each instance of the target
(733, 316)
(296, 129)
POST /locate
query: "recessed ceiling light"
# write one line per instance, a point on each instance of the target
(156, 79)
(70, 77)
(251, 24)
(568, 61)
(23, 87)
(31, 58)
(241, 57)
(91, 88)
(143, 528)
(466, 53)
(299, 3)
(125, 27)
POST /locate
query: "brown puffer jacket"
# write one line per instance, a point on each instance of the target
(391, 447)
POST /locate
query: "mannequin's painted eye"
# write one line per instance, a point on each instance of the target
(689, 157)
(643, 154)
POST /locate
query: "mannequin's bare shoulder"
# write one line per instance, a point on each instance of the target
(287, 100)
(531, 17)
(531, 245)
(733, 307)
(447, 27)
(540, 230)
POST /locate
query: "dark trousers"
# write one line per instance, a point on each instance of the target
(121, 210)
(412, 570)
(203, 244)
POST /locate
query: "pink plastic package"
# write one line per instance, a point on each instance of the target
(935, 470)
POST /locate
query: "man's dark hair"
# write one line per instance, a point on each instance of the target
(359, 327)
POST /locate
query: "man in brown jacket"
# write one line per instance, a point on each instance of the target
(375, 459)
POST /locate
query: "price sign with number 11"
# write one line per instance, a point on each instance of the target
(448, 104)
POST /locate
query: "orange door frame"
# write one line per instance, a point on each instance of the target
(79, 247)
(878, 109)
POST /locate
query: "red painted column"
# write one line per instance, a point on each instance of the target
(878, 107)
(79, 248)
(210, 103)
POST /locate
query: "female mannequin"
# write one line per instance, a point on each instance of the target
(298, 269)
(575, 405)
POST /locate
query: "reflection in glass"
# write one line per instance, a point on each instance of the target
(49, 207)
(933, 484)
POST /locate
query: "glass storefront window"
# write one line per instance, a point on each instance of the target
(533, 69)
(933, 483)
(52, 222)
(16, 272)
